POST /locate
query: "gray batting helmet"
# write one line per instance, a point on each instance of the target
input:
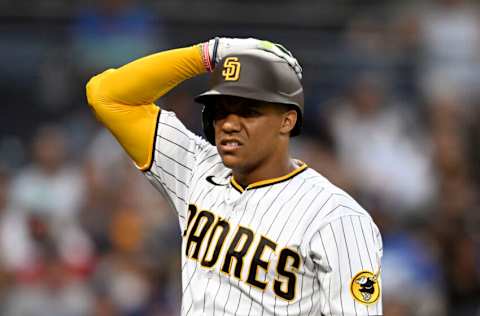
(256, 75)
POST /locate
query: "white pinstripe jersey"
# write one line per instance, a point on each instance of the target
(295, 245)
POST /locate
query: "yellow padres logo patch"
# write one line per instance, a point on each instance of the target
(364, 287)
(231, 69)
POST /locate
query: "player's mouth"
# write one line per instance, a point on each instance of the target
(230, 145)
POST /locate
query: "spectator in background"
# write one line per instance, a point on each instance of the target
(107, 175)
(50, 185)
(449, 36)
(413, 276)
(49, 191)
(460, 254)
(132, 233)
(366, 46)
(40, 280)
(473, 145)
(57, 290)
(457, 223)
(127, 277)
(15, 248)
(387, 158)
(454, 165)
(113, 32)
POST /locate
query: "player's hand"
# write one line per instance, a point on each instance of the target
(220, 47)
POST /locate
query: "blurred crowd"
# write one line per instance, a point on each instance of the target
(394, 119)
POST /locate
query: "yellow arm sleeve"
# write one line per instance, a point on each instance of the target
(122, 99)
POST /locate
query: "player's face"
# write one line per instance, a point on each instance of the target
(247, 133)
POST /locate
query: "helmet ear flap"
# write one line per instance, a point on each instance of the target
(207, 124)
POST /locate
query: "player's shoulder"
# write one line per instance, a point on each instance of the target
(328, 205)
(331, 202)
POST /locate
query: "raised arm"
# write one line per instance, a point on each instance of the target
(122, 99)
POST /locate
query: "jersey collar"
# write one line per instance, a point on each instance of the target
(267, 182)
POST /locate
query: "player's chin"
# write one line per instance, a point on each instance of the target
(230, 160)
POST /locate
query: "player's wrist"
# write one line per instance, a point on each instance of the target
(205, 51)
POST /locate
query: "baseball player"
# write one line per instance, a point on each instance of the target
(263, 234)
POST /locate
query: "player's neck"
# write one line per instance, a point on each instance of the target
(272, 169)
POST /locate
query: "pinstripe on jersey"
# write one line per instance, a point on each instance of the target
(290, 246)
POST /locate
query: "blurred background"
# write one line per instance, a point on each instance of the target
(392, 116)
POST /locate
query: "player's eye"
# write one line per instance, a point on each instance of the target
(250, 112)
(219, 114)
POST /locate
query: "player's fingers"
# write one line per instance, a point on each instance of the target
(283, 49)
(284, 53)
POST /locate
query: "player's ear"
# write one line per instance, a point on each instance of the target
(289, 119)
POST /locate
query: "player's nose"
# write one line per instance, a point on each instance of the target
(230, 123)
